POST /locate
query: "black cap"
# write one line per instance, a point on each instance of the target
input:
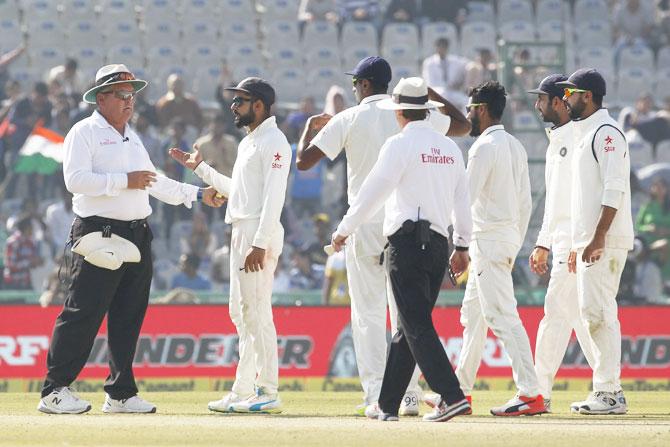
(586, 79)
(374, 68)
(548, 85)
(257, 87)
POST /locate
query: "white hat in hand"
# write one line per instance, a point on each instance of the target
(106, 252)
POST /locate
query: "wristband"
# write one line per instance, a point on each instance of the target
(199, 195)
(541, 247)
(457, 248)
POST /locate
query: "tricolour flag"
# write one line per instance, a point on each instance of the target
(42, 153)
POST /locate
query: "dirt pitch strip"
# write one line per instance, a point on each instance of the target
(326, 419)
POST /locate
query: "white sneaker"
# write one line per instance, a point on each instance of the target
(372, 411)
(432, 399)
(223, 405)
(603, 402)
(63, 400)
(261, 402)
(443, 412)
(622, 400)
(133, 404)
(409, 405)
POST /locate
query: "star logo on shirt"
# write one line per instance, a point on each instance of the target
(608, 140)
(277, 156)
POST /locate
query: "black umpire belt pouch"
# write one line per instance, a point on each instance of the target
(420, 229)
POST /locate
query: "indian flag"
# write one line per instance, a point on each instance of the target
(42, 153)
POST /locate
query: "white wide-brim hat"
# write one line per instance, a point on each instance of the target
(409, 94)
(110, 75)
(106, 252)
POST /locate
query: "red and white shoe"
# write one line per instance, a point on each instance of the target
(433, 400)
(521, 405)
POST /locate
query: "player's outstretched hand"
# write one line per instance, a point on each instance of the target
(140, 179)
(187, 160)
(211, 197)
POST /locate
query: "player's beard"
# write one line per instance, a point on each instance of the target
(244, 120)
(576, 109)
(475, 131)
(550, 116)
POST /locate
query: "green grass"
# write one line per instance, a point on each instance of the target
(326, 419)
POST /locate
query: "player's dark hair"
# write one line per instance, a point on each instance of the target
(491, 93)
(597, 99)
(415, 115)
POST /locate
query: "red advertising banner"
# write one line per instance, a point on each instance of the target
(201, 341)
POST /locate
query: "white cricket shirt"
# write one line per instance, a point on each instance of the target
(499, 187)
(257, 188)
(96, 161)
(603, 166)
(556, 230)
(420, 173)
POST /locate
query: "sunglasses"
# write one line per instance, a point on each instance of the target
(568, 92)
(238, 100)
(355, 81)
(122, 95)
(123, 76)
(474, 105)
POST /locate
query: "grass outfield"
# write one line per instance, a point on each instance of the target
(326, 419)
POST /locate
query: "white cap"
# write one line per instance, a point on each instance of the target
(410, 93)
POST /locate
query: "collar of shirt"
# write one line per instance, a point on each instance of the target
(492, 129)
(102, 123)
(374, 98)
(412, 125)
(269, 123)
(583, 125)
(556, 131)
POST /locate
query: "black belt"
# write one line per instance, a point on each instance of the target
(132, 224)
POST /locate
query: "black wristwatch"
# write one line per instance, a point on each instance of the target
(457, 248)
(199, 195)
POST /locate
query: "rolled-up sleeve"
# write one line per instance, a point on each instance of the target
(173, 192)
(78, 168)
(276, 162)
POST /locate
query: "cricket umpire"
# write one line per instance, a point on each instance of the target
(109, 172)
(420, 180)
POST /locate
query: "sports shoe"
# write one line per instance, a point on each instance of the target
(547, 405)
(520, 405)
(443, 412)
(372, 411)
(603, 402)
(622, 400)
(409, 405)
(261, 402)
(360, 409)
(387, 417)
(63, 400)
(223, 405)
(432, 400)
(133, 404)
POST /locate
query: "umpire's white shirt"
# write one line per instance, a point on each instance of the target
(601, 166)
(257, 188)
(96, 161)
(417, 169)
(555, 231)
(361, 131)
(499, 187)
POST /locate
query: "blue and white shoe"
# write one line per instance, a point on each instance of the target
(223, 405)
(261, 402)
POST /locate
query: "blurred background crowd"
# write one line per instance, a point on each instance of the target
(190, 50)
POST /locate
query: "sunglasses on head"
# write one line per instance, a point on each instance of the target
(474, 105)
(238, 100)
(120, 94)
(568, 92)
(123, 76)
(355, 81)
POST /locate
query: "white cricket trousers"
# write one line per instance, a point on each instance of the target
(597, 287)
(561, 316)
(369, 298)
(489, 302)
(250, 310)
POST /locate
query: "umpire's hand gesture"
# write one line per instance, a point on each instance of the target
(140, 179)
(190, 161)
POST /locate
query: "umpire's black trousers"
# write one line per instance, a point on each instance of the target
(122, 295)
(416, 276)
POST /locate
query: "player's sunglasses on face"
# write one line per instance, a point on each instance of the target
(238, 100)
(568, 92)
(121, 94)
(474, 105)
(355, 81)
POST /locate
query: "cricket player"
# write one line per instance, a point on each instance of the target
(501, 206)
(256, 195)
(561, 309)
(602, 232)
(361, 131)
